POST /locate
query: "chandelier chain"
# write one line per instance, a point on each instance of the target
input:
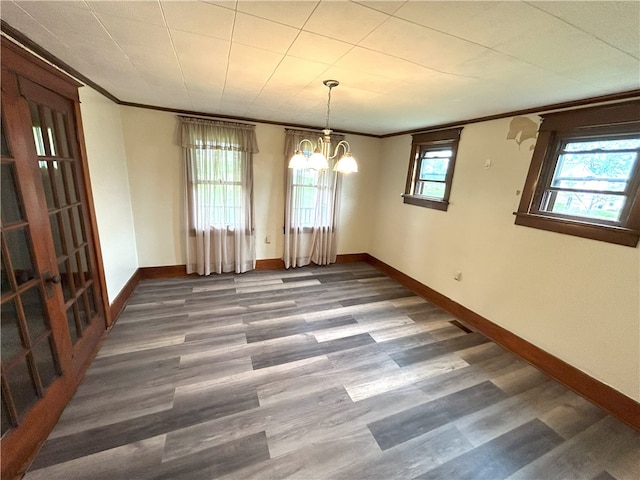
(328, 109)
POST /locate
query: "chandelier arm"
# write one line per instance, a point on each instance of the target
(345, 147)
(303, 141)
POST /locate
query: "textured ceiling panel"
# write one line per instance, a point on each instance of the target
(149, 12)
(424, 46)
(318, 48)
(197, 17)
(345, 21)
(615, 23)
(260, 33)
(291, 13)
(401, 64)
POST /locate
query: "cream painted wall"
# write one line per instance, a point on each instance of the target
(268, 191)
(358, 195)
(156, 179)
(104, 142)
(575, 298)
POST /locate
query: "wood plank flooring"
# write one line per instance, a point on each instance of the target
(319, 373)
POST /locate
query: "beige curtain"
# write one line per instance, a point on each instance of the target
(219, 172)
(311, 207)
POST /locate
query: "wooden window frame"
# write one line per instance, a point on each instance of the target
(604, 120)
(428, 142)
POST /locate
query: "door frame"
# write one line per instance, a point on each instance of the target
(18, 449)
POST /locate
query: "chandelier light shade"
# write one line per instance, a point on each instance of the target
(298, 160)
(346, 164)
(319, 159)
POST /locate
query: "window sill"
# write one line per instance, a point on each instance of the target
(603, 233)
(426, 202)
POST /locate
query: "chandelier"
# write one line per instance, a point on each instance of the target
(319, 159)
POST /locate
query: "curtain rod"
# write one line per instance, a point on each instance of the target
(223, 119)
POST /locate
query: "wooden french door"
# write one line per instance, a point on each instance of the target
(51, 304)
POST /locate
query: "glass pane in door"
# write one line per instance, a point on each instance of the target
(54, 220)
(74, 324)
(62, 134)
(45, 362)
(19, 246)
(5, 144)
(6, 418)
(67, 232)
(6, 285)
(22, 386)
(55, 170)
(84, 265)
(92, 301)
(61, 177)
(47, 116)
(46, 183)
(11, 208)
(11, 341)
(77, 224)
(67, 292)
(38, 138)
(70, 181)
(34, 311)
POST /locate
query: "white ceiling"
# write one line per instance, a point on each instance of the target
(401, 65)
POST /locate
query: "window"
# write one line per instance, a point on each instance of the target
(305, 192)
(591, 178)
(218, 187)
(433, 157)
(311, 194)
(311, 205)
(585, 175)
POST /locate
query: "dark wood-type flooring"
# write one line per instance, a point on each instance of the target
(319, 373)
